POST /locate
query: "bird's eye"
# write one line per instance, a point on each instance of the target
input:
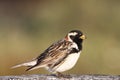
(80, 34)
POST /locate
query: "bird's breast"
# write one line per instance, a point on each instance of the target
(69, 62)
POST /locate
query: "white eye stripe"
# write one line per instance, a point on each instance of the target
(72, 34)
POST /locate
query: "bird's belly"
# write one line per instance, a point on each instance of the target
(69, 62)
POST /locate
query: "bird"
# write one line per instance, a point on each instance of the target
(60, 56)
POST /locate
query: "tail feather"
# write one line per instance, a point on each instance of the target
(35, 67)
(31, 63)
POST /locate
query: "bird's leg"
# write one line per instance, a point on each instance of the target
(58, 74)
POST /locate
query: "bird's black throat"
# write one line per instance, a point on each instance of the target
(79, 43)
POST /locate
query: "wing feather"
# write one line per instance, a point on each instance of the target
(53, 54)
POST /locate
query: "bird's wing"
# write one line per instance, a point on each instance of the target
(53, 54)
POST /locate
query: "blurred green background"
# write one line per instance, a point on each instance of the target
(27, 28)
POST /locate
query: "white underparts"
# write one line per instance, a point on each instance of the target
(69, 62)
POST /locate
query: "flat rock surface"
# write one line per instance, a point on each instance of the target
(48, 77)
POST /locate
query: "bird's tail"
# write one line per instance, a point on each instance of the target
(31, 63)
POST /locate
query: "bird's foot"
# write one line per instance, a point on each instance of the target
(60, 75)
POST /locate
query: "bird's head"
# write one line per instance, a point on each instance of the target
(75, 36)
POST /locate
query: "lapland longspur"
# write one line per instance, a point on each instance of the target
(60, 56)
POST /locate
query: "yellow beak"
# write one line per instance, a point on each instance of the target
(82, 37)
